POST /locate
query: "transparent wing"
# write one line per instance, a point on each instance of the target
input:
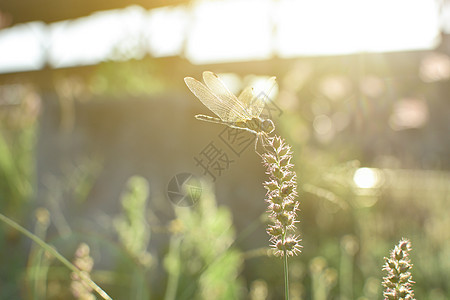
(220, 90)
(223, 109)
(254, 104)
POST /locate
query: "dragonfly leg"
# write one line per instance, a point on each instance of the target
(263, 137)
(256, 146)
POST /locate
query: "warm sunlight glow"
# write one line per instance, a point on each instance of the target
(325, 27)
(21, 47)
(225, 31)
(366, 178)
(96, 38)
(166, 30)
(262, 87)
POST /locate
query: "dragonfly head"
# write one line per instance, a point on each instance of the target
(267, 126)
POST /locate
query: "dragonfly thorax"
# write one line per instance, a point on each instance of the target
(256, 125)
(267, 126)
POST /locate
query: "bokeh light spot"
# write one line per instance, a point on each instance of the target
(435, 67)
(409, 113)
(366, 178)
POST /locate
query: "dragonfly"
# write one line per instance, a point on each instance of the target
(242, 112)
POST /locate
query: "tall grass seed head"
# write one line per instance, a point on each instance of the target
(398, 281)
(281, 196)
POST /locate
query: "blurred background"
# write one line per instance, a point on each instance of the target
(95, 122)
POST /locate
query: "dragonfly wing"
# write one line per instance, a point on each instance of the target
(220, 90)
(255, 103)
(224, 110)
(252, 103)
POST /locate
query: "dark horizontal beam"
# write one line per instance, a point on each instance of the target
(402, 63)
(48, 11)
(169, 67)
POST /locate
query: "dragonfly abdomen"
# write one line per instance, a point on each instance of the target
(253, 125)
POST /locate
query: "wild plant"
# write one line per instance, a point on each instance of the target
(282, 199)
(244, 113)
(84, 262)
(134, 234)
(131, 225)
(53, 252)
(398, 281)
(201, 262)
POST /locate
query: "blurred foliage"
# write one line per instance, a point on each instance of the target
(69, 189)
(38, 267)
(323, 278)
(201, 262)
(19, 108)
(336, 122)
(134, 235)
(132, 226)
(336, 125)
(129, 78)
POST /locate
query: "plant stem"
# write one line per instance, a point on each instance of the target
(286, 272)
(56, 254)
(174, 271)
